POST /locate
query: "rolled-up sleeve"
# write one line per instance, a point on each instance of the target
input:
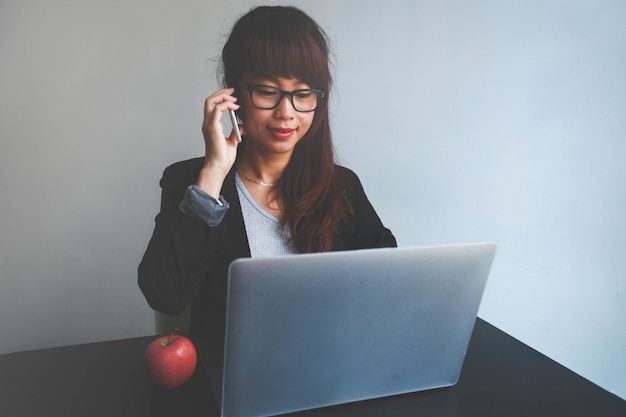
(203, 207)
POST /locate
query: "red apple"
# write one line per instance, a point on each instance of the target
(171, 360)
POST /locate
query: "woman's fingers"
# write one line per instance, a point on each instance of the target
(214, 106)
(219, 97)
(220, 149)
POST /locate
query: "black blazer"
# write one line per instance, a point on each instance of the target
(187, 262)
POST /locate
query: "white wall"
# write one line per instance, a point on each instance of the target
(485, 120)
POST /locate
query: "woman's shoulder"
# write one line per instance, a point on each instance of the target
(350, 177)
(182, 171)
(182, 167)
(345, 171)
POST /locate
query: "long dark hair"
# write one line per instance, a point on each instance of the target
(277, 41)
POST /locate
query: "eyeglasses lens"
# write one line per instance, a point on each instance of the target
(265, 97)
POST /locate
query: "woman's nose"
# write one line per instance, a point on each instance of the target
(285, 108)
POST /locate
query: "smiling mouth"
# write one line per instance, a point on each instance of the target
(282, 132)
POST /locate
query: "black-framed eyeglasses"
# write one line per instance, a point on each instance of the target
(267, 97)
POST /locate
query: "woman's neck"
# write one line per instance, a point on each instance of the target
(262, 168)
(260, 175)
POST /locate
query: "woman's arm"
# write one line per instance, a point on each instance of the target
(180, 252)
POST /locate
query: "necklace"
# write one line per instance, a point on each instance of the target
(264, 184)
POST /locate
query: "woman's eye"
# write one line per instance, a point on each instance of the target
(266, 92)
(304, 94)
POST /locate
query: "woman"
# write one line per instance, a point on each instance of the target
(277, 192)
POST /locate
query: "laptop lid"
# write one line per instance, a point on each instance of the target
(313, 330)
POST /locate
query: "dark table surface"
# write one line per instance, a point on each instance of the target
(501, 377)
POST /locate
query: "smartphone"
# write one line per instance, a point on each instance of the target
(233, 121)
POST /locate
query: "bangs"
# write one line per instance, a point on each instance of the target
(289, 52)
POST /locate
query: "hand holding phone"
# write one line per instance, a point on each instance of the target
(233, 121)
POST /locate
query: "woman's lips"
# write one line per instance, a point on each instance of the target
(281, 132)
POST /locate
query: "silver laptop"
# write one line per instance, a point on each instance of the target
(308, 331)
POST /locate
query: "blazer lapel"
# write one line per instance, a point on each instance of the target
(233, 232)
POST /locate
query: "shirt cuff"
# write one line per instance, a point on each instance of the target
(203, 207)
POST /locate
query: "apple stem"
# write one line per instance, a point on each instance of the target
(169, 340)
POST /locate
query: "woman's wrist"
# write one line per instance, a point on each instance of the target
(210, 180)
